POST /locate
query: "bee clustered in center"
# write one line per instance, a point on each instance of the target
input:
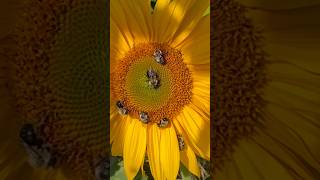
(151, 83)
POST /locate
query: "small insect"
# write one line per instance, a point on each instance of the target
(154, 83)
(159, 56)
(39, 153)
(163, 122)
(101, 169)
(121, 108)
(28, 135)
(152, 73)
(153, 78)
(40, 157)
(144, 117)
(181, 142)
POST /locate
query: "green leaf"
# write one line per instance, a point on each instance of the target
(116, 168)
(140, 176)
(185, 173)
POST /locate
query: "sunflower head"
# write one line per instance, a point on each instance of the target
(59, 82)
(152, 80)
(239, 78)
(160, 85)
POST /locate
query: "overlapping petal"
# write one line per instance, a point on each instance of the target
(134, 149)
(163, 152)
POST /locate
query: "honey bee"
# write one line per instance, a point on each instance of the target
(101, 169)
(153, 78)
(39, 153)
(163, 123)
(28, 135)
(180, 142)
(144, 117)
(154, 83)
(152, 73)
(121, 108)
(159, 56)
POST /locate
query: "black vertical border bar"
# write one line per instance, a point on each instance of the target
(107, 60)
(212, 88)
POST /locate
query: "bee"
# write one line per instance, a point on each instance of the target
(28, 135)
(144, 117)
(151, 73)
(39, 153)
(159, 56)
(153, 78)
(163, 123)
(180, 142)
(101, 169)
(121, 108)
(154, 83)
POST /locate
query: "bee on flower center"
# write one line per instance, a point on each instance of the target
(159, 56)
(121, 108)
(152, 73)
(163, 123)
(153, 78)
(144, 117)
(40, 154)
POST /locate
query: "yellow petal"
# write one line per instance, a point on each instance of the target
(201, 89)
(173, 18)
(195, 45)
(24, 171)
(197, 130)
(278, 5)
(119, 44)
(292, 97)
(246, 163)
(294, 75)
(134, 147)
(194, 21)
(129, 18)
(188, 157)
(189, 160)
(291, 35)
(167, 17)
(117, 135)
(296, 132)
(163, 152)
(12, 158)
(129, 25)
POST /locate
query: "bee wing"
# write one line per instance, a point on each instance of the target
(38, 157)
(35, 159)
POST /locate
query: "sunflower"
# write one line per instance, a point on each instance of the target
(267, 83)
(53, 80)
(160, 85)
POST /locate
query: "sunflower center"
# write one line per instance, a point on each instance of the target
(239, 75)
(158, 86)
(140, 89)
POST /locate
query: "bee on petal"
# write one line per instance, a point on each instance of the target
(180, 142)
